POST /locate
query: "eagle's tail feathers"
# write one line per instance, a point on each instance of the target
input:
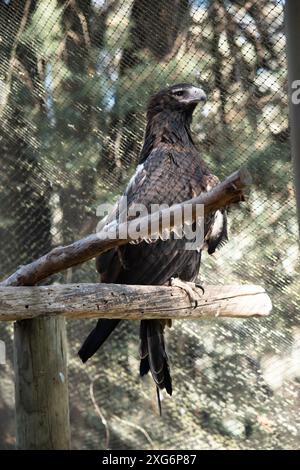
(158, 400)
(153, 354)
(96, 338)
(144, 366)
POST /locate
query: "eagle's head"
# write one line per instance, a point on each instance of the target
(181, 98)
(169, 115)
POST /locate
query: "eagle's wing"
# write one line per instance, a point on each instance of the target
(166, 177)
(152, 184)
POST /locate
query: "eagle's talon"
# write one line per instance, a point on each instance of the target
(190, 288)
(200, 287)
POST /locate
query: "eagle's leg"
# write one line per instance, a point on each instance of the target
(191, 289)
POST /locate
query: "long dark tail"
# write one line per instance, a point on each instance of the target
(96, 338)
(153, 354)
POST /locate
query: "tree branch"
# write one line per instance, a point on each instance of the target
(228, 192)
(131, 302)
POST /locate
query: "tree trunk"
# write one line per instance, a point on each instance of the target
(25, 213)
(155, 26)
(76, 119)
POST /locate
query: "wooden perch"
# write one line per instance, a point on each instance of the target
(228, 192)
(131, 302)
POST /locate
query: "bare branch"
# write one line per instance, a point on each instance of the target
(228, 192)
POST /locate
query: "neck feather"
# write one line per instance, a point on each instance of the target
(167, 128)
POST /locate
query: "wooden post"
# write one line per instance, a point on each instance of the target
(41, 384)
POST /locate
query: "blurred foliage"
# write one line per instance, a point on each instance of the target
(75, 77)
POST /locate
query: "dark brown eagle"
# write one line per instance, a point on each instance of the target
(170, 171)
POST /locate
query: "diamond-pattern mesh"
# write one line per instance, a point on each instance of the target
(75, 76)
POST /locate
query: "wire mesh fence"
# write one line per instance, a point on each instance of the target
(75, 77)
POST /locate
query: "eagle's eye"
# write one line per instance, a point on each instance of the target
(178, 93)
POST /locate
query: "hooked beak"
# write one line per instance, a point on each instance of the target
(196, 95)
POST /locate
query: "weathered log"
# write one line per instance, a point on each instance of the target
(41, 384)
(228, 192)
(131, 302)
